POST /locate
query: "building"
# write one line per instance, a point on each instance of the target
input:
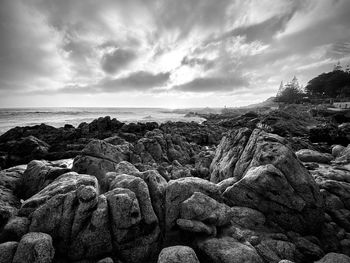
(342, 105)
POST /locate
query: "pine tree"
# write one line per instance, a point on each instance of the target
(337, 67)
(347, 69)
(280, 90)
(295, 83)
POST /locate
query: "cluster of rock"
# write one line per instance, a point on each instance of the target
(23, 144)
(164, 197)
(172, 193)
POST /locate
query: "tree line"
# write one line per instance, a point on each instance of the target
(331, 85)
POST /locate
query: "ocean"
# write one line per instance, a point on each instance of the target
(58, 117)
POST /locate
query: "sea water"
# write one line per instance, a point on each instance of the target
(58, 117)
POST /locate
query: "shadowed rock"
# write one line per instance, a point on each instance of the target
(270, 179)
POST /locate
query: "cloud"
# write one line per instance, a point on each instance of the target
(192, 62)
(212, 84)
(140, 81)
(186, 47)
(137, 81)
(116, 60)
(28, 48)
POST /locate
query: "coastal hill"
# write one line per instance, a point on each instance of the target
(263, 186)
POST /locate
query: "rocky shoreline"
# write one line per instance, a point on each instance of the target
(258, 187)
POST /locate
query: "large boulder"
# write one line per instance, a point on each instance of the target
(157, 147)
(155, 182)
(34, 247)
(38, 175)
(99, 158)
(270, 179)
(206, 209)
(227, 155)
(227, 250)
(275, 250)
(181, 189)
(26, 149)
(134, 227)
(11, 177)
(177, 254)
(72, 212)
(14, 229)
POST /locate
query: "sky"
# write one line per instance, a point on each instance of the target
(164, 53)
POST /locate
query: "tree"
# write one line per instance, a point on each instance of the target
(280, 90)
(331, 85)
(337, 67)
(290, 93)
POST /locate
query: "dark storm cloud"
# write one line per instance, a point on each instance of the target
(137, 81)
(263, 31)
(192, 62)
(212, 84)
(117, 60)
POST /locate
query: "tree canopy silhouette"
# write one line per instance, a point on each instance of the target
(332, 84)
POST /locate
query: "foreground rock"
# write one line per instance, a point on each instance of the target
(7, 251)
(227, 250)
(270, 179)
(34, 247)
(177, 254)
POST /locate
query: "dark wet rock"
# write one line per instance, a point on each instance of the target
(11, 177)
(34, 247)
(226, 250)
(14, 229)
(177, 254)
(25, 149)
(202, 163)
(9, 204)
(328, 133)
(306, 155)
(310, 250)
(38, 175)
(7, 251)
